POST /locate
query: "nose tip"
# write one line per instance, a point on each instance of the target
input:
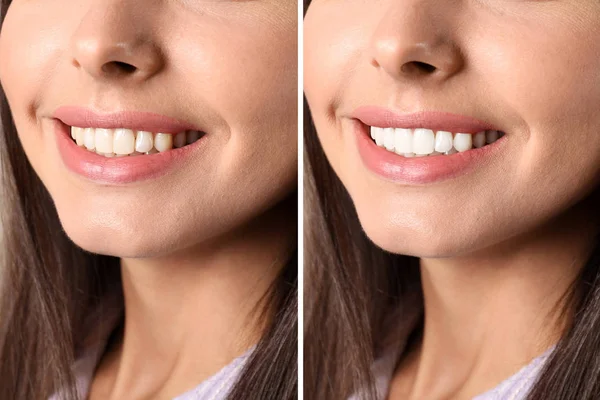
(116, 42)
(102, 58)
(405, 45)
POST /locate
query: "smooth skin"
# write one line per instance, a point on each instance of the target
(201, 245)
(500, 245)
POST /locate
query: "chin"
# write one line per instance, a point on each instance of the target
(99, 241)
(122, 239)
(422, 239)
(416, 245)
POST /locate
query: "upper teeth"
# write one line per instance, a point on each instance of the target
(423, 142)
(123, 142)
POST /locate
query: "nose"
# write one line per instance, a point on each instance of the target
(114, 41)
(412, 41)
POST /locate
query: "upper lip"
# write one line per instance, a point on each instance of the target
(436, 120)
(135, 120)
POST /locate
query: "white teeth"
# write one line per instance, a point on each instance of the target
(179, 140)
(163, 142)
(126, 142)
(491, 136)
(123, 142)
(143, 142)
(479, 139)
(443, 141)
(388, 138)
(423, 141)
(403, 139)
(79, 137)
(463, 142)
(89, 138)
(379, 136)
(104, 140)
(105, 154)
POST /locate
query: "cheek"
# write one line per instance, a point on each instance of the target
(556, 91)
(247, 72)
(333, 44)
(244, 69)
(555, 88)
(26, 58)
(26, 54)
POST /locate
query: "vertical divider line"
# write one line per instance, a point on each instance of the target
(300, 200)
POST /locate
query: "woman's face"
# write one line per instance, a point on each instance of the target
(529, 69)
(224, 71)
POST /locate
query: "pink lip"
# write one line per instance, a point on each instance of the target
(439, 121)
(420, 170)
(121, 170)
(134, 120)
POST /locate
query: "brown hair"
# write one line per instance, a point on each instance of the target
(49, 285)
(351, 285)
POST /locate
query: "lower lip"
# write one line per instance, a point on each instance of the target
(420, 170)
(118, 170)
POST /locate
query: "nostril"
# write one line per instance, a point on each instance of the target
(125, 67)
(424, 67)
(118, 67)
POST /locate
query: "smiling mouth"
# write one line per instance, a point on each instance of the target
(423, 142)
(123, 142)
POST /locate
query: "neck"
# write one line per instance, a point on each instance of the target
(490, 313)
(189, 314)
